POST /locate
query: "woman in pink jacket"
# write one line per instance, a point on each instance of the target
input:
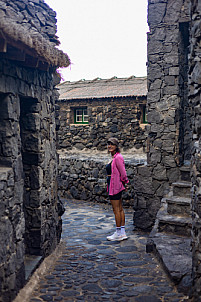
(116, 184)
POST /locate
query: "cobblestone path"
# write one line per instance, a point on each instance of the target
(90, 268)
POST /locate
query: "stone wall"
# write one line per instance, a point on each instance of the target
(11, 234)
(30, 221)
(28, 169)
(167, 81)
(169, 130)
(195, 99)
(12, 221)
(83, 176)
(119, 117)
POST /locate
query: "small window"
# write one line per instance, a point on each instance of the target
(81, 116)
(144, 115)
(143, 118)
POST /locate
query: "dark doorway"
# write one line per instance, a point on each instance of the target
(29, 131)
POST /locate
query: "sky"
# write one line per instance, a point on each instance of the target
(103, 38)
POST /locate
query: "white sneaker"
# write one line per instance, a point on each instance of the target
(115, 237)
(124, 237)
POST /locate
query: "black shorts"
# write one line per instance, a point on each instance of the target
(116, 196)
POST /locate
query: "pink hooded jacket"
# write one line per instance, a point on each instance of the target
(118, 175)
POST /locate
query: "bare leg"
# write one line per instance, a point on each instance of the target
(118, 212)
(122, 213)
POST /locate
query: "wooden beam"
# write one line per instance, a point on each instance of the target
(34, 60)
(16, 52)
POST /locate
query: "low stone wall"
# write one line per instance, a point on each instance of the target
(84, 176)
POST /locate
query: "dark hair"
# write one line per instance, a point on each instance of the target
(117, 149)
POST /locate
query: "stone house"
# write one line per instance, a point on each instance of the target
(92, 111)
(171, 202)
(30, 222)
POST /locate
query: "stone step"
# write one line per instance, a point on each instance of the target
(185, 173)
(179, 206)
(175, 225)
(182, 188)
(174, 253)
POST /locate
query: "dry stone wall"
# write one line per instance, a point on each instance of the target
(12, 221)
(12, 225)
(166, 81)
(84, 177)
(169, 130)
(195, 99)
(29, 213)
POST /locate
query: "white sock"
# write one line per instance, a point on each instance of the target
(123, 230)
(119, 231)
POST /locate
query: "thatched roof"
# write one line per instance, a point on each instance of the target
(14, 32)
(103, 88)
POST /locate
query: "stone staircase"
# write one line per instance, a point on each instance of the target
(170, 238)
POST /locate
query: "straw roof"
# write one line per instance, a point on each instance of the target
(30, 41)
(104, 88)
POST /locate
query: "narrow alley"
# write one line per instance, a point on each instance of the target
(87, 267)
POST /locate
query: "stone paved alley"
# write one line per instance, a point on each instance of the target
(87, 267)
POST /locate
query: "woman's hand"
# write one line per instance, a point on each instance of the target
(126, 187)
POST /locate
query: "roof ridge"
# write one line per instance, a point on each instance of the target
(110, 80)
